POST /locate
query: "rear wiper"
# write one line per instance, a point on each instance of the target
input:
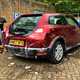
(21, 30)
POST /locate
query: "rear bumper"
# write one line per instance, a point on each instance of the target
(23, 51)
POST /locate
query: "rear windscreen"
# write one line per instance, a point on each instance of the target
(25, 24)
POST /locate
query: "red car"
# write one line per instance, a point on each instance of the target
(42, 35)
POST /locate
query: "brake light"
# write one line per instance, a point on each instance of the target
(7, 34)
(40, 30)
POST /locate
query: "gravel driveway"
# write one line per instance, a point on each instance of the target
(14, 68)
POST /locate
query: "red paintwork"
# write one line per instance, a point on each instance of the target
(44, 39)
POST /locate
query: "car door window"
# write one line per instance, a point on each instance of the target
(71, 21)
(55, 20)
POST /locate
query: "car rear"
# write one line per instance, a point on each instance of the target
(21, 41)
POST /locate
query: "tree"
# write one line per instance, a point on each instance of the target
(66, 6)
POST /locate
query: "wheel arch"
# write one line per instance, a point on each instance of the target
(51, 54)
(58, 38)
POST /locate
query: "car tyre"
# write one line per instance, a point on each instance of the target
(56, 53)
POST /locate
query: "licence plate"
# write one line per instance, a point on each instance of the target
(16, 42)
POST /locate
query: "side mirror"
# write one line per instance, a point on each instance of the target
(79, 24)
(78, 21)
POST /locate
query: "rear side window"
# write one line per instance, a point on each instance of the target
(54, 20)
(71, 21)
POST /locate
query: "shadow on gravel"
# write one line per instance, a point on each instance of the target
(33, 60)
(41, 65)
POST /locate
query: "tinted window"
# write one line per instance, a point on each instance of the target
(24, 24)
(54, 20)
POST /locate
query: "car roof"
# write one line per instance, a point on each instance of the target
(48, 14)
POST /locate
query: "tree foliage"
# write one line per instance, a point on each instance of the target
(66, 6)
